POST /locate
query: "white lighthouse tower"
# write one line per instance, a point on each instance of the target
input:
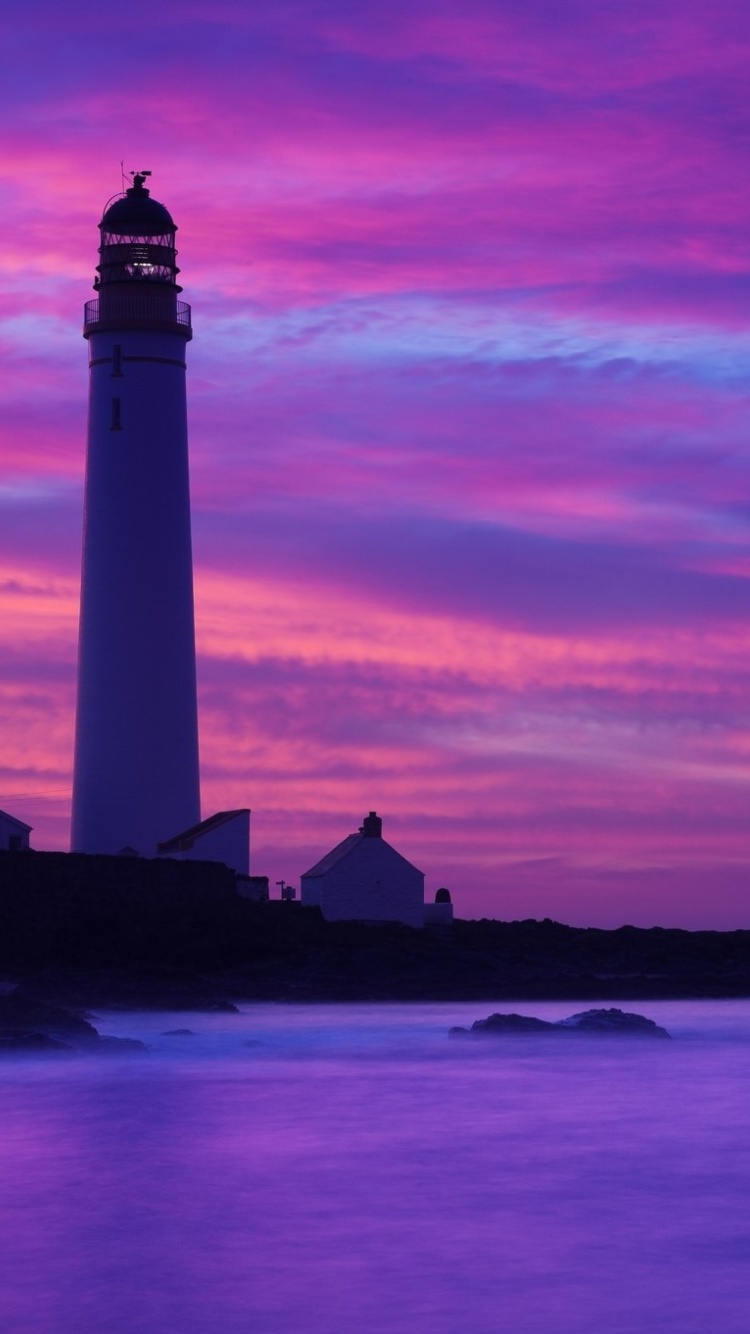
(136, 778)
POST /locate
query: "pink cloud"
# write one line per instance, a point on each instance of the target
(468, 420)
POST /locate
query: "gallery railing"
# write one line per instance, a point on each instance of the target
(137, 310)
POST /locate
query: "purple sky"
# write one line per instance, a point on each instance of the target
(469, 420)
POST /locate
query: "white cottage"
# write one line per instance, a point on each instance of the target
(365, 879)
(14, 834)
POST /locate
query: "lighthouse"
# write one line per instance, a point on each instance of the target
(136, 774)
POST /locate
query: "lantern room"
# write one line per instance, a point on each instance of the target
(137, 240)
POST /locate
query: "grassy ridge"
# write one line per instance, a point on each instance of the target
(133, 931)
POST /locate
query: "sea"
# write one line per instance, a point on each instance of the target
(350, 1169)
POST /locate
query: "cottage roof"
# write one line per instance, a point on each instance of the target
(13, 820)
(345, 849)
(336, 855)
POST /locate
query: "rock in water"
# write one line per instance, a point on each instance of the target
(20, 1013)
(612, 1022)
(119, 1046)
(31, 1044)
(37, 1027)
(505, 1023)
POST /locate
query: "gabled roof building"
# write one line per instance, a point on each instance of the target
(14, 834)
(365, 879)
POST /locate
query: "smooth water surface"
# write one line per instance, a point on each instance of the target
(351, 1170)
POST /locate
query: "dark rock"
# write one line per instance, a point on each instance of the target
(31, 1044)
(19, 1013)
(178, 1033)
(612, 1021)
(602, 1022)
(511, 1023)
(28, 1024)
(119, 1046)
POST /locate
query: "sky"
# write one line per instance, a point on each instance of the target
(469, 427)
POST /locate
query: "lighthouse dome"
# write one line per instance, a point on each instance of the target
(137, 214)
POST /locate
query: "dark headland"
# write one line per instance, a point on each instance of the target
(114, 932)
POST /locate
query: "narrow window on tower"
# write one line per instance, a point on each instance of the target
(116, 414)
(117, 359)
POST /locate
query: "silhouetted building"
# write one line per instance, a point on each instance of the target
(439, 913)
(14, 834)
(365, 879)
(224, 837)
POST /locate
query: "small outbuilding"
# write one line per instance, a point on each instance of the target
(439, 913)
(14, 834)
(365, 879)
(224, 837)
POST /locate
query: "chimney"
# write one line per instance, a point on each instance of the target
(372, 826)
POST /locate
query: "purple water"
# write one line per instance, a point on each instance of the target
(349, 1170)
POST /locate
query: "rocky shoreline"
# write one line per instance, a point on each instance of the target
(31, 1027)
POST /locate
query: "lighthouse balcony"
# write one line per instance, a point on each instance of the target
(137, 310)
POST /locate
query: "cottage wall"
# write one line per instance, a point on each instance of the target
(372, 883)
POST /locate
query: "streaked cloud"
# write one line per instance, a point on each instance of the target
(469, 423)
